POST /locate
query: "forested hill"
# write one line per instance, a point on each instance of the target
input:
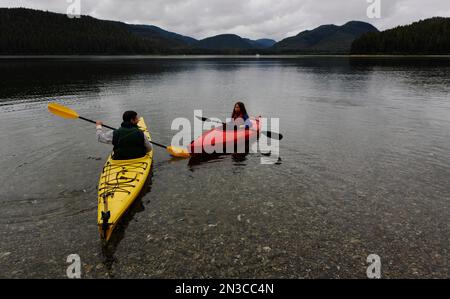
(26, 31)
(150, 31)
(431, 36)
(325, 39)
(33, 32)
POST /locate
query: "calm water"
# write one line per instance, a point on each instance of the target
(364, 169)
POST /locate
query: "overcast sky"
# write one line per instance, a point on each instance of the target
(275, 19)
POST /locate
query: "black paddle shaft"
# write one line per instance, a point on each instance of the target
(111, 128)
(269, 134)
(91, 121)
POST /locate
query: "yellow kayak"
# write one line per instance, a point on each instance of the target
(120, 184)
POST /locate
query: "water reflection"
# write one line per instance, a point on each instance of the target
(36, 79)
(239, 159)
(40, 78)
(204, 159)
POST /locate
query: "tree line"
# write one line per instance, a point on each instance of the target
(25, 31)
(431, 36)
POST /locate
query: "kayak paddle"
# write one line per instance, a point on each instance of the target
(269, 134)
(65, 112)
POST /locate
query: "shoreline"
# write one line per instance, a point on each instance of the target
(219, 56)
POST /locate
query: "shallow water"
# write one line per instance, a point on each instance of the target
(364, 168)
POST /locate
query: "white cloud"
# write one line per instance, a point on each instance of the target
(248, 18)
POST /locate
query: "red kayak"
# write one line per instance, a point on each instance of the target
(230, 140)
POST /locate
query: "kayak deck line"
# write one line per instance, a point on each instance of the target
(118, 183)
(115, 184)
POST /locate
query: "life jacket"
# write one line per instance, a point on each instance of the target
(128, 142)
(246, 121)
(244, 117)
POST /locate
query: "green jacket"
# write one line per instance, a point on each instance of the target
(128, 142)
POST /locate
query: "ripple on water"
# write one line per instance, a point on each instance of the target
(39, 207)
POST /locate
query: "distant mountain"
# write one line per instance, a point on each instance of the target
(325, 39)
(150, 31)
(261, 43)
(231, 44)
(265, 42)
(430, 36)
(33, 32)
(27, 31)
(224, 42)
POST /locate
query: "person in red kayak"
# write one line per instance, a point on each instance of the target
(240, 117)
(129, 141)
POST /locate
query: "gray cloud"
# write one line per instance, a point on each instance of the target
(248, 18)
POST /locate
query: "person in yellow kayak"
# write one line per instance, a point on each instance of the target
(129, 141)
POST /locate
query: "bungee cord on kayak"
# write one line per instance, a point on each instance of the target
(113, 181)
(118, 183)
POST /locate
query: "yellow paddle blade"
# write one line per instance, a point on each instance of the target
(62, 111)
(178, 152)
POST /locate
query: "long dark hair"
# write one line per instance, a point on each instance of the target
(242, 108)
